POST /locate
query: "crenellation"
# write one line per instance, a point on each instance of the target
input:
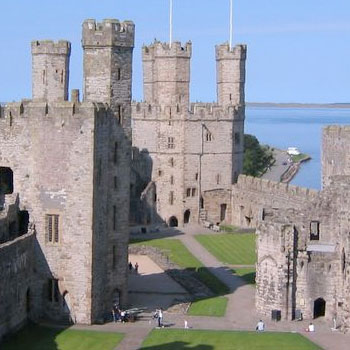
(109, 33)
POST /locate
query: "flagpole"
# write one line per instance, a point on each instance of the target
(171, 23)
(231, 24)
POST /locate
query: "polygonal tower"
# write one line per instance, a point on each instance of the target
(230, 74)
(108, 48)
(166, 73)
(50, 70)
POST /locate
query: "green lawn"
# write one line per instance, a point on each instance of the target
(212, 307)
(173, 339)
(247, 273)
(182, 257)
(234, 249)
(42, 338)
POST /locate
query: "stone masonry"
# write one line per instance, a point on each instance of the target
(191, 147)
(65, 182)
(303, 241)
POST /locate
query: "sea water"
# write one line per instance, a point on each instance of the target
(296, 127)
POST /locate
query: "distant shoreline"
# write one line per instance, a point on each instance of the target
(298, 105)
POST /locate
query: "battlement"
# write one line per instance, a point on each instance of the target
(49, 47)
(337, 131)
(249, 183)
(223, 51)
(109, 32)
(200, 111)
(159, 49)
(28, 109)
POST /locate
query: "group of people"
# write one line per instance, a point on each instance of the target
(136, 268)
(260, 327)
(118, 314)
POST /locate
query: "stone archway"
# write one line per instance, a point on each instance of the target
(187, 216)
(319, 307)
(173, 222)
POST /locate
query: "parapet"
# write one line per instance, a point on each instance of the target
(275, 188)
(238, 52)
(110, 32)
(49, 47)
(336, 130)
(159, 49)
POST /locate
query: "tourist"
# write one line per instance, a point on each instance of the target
(130, 266)
(310, 328)
(160, 317)
(260, 327)
(123, 316)
(186, 325)
(136, 267)
(113, 314)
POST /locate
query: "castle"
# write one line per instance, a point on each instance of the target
(186, 148)
(303, 239)
(65, 183)
(70, 171)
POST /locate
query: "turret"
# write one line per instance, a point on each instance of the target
(166, 73)
(230, 74)
(108, 48)
(50, 70)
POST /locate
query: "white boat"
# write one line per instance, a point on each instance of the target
(293, 151)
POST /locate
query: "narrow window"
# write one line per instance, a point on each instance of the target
(171, 143)
(193, 192)
(218, 179)
(53, 291)
(118, 74)
(314, 230)
(155, 197)
(160, 173)
(114, 217)
(230, 97)
(115, 182)
(120, 114)
(171, 198)
(188, 192)
(52, 228)
(62, 74)
(115, 155)
(171, 180)
(171, 162)
(196, 177)
(209, 137)
(6, 180)
(44, 76)
(114, 257)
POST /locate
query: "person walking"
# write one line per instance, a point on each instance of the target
(160, 317)
(136, 267)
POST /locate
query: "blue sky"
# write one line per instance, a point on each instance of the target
(298, 50)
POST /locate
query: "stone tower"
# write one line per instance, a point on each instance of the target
(166, 73)
(50, 70)
(230, 74)
(108, 48)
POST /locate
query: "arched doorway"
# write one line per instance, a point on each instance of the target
(187, 216)
(173, 221)
(319, 307)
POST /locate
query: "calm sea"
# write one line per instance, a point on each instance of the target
(296, 127)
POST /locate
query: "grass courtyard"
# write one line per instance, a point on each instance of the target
(43, 338)
(174, 339)
(233, 249)
(182, 257)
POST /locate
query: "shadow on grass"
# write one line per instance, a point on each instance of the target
(33, 337)
(178, 345)
(248, 277)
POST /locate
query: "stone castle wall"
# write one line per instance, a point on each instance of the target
(16, 268)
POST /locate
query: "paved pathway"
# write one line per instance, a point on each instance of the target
(240, 314)
(281, 166)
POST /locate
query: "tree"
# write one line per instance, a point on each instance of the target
(257, 158)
